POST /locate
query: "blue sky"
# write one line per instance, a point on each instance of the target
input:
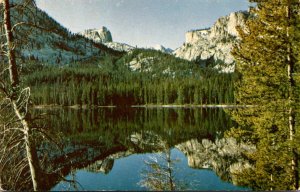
(141, 22)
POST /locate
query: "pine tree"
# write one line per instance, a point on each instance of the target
(267, 61)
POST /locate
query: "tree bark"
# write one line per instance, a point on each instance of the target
(13, 70)
(169, 169)
(31, 152)
(292, 85)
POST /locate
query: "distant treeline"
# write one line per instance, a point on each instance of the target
(110, 81)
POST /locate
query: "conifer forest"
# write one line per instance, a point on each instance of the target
(82, 111)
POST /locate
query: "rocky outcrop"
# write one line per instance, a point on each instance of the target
(214, 43)
(160, 48)
(119, 46)
(101, 166)
(104, 36)
(148, 141)
(142, 63)
(101, 35)
(224, 156)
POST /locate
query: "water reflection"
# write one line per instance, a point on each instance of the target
(159, 174)
(93, 141)
(125, 175)
(21, 162)
(224, 156)
(95, 138)
(113, 144)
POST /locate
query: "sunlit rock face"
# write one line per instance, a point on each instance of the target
(160, 48)
(215, 42)
(119, 46)
(101, 35)
(224, 156)
(104, 36)
(141, 63)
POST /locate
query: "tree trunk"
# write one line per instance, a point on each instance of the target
(1, 189)
(14, 81)
(292, 115)
(31, 152)
(169, 169)
(13, 70)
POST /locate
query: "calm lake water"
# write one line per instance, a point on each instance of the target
(107, 148)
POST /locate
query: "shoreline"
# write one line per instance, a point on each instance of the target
(191, 106)
(141, 106)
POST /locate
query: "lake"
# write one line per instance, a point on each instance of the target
(115, 148)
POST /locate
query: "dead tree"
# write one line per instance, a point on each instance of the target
(18, 99)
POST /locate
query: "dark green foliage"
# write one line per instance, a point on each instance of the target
(267, 56)
(117, 124)
(163, 79)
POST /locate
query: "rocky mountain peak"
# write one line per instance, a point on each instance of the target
(161, 48)
(214, 43)
(227, 25)
(104, 36)
(101, 35)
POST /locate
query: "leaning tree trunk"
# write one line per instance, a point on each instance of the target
(13, 70)
(14, 81)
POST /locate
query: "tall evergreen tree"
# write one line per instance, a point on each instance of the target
(268, 60)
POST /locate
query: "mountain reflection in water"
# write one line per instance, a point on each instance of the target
(112, 143)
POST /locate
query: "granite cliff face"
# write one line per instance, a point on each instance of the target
(214, 43)
(101, 35)
(104, 36)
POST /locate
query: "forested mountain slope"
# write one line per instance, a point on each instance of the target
(90, 73)
(40, 37)
(139, 77)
